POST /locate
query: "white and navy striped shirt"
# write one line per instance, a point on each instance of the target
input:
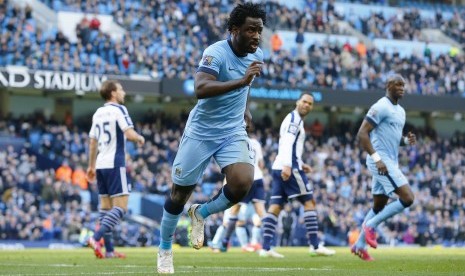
(258, 174)
(108, 125)
(291, 142)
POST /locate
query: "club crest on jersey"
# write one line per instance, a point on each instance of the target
(372, 112)
(293, 129)
(178, 171)
(207, 60)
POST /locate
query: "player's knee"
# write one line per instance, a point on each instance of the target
(236, 191)
(377, 209)
(237, 194)
(407, 201)
(180, 194)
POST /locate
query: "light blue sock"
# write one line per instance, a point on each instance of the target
(256, 234)
(390, 210)
(218, 204)
(216, 242)
(167, 229)
(241, 234)
(361, 243)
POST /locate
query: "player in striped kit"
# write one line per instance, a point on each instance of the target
(290, 181)
(111, 126)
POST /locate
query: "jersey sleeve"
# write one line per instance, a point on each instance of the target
(289, 130)
(93, 130)
(123, 119)
(211, 61)
(376, 114)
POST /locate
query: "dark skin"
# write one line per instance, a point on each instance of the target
(395, 90)
(245, 39)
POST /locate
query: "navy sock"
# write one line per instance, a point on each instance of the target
(108, 236)
(269, 223)
(311, 226)
(111, 219)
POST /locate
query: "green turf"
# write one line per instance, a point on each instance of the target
(389, 261)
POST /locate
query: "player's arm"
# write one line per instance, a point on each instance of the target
(91, 173)
(259, 156)
(207, 85)
(363, 136)
(126, 125)
(133, 136)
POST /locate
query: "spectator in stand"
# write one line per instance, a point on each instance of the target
(64, 172)
(276, 42)
(79, 178)
(287, 220)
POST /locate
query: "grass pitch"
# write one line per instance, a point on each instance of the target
(187, 261)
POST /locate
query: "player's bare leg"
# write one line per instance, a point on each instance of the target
(239, 177)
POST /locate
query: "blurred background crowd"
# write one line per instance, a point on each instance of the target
(56, 203)
(44, 193)
(165, 39)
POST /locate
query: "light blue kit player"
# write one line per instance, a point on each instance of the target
(380, 136)
(216, 128)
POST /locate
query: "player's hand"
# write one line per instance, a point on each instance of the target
(306, 168)
(286, 173)
(382, 169)
(412, 139)
(91, 174)
(140, 140)
(254, 70)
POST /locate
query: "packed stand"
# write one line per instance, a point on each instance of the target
(359, 67)
(175, 47)
(435, 169)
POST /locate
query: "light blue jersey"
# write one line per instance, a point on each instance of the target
(221, 116)
(388, 120)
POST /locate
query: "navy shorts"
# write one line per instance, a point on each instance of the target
(297, 186)
(112, 182)
(256, 193)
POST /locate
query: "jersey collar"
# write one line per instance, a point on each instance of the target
(234, 51)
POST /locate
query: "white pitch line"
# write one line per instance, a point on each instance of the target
(250, 269)
(178, 269)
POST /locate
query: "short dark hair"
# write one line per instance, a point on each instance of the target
(242, 11)
(107, 87)
(305, 93)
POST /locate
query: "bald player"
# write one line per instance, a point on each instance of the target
(380, 136)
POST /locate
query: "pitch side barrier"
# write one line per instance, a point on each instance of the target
(20, 77)
(328, 97)
(17, 77)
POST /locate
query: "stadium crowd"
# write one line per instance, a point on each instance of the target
(165, 40)
(45, 204)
